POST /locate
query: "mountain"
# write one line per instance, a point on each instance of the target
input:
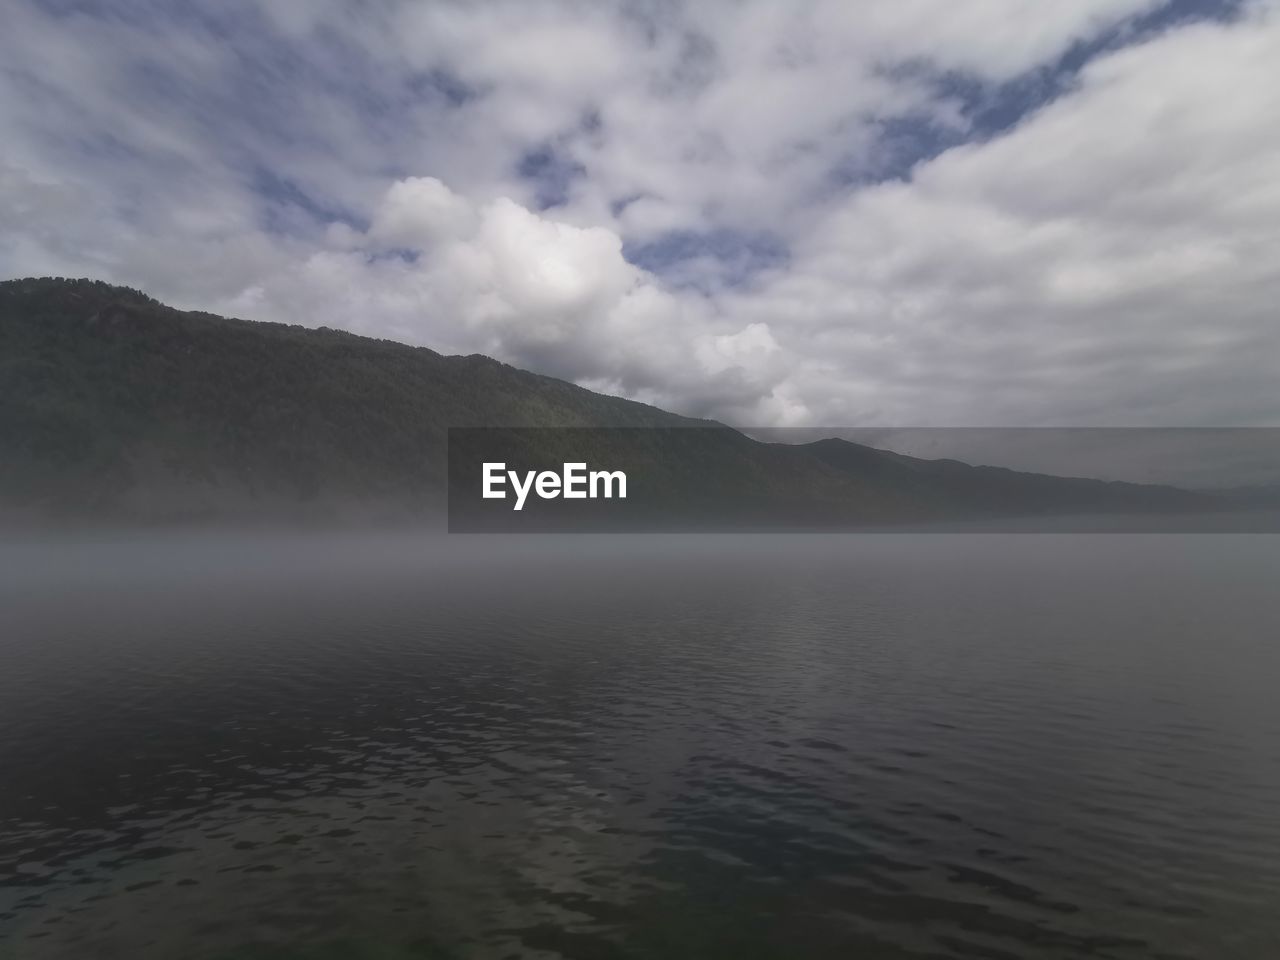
(118, 407)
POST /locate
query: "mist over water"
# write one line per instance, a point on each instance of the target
(984, 745)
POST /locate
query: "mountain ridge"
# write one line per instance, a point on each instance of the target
(119, 406)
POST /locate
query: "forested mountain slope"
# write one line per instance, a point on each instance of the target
(114, 406)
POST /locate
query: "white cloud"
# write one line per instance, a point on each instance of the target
(1113, 258)
(418, 213)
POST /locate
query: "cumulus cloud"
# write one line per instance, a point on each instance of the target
(768, 213)
(502, 279)
(1111, 259)
(418, 213)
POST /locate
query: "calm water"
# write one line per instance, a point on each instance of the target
(979, 746)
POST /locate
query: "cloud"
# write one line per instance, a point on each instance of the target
(1109, 260)
(767, 213)
(520, 286)
(418, 213)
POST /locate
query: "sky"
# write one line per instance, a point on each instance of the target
(885, 213)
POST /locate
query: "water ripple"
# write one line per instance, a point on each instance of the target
(889, 747)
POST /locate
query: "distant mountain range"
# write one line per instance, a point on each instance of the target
(116, 407)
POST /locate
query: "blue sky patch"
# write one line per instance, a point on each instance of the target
(727, 257)
(551, 173)
(992, 109)
(287, 206)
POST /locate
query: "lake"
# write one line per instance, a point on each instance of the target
(407, 745)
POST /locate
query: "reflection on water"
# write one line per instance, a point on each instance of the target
(589, 747)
